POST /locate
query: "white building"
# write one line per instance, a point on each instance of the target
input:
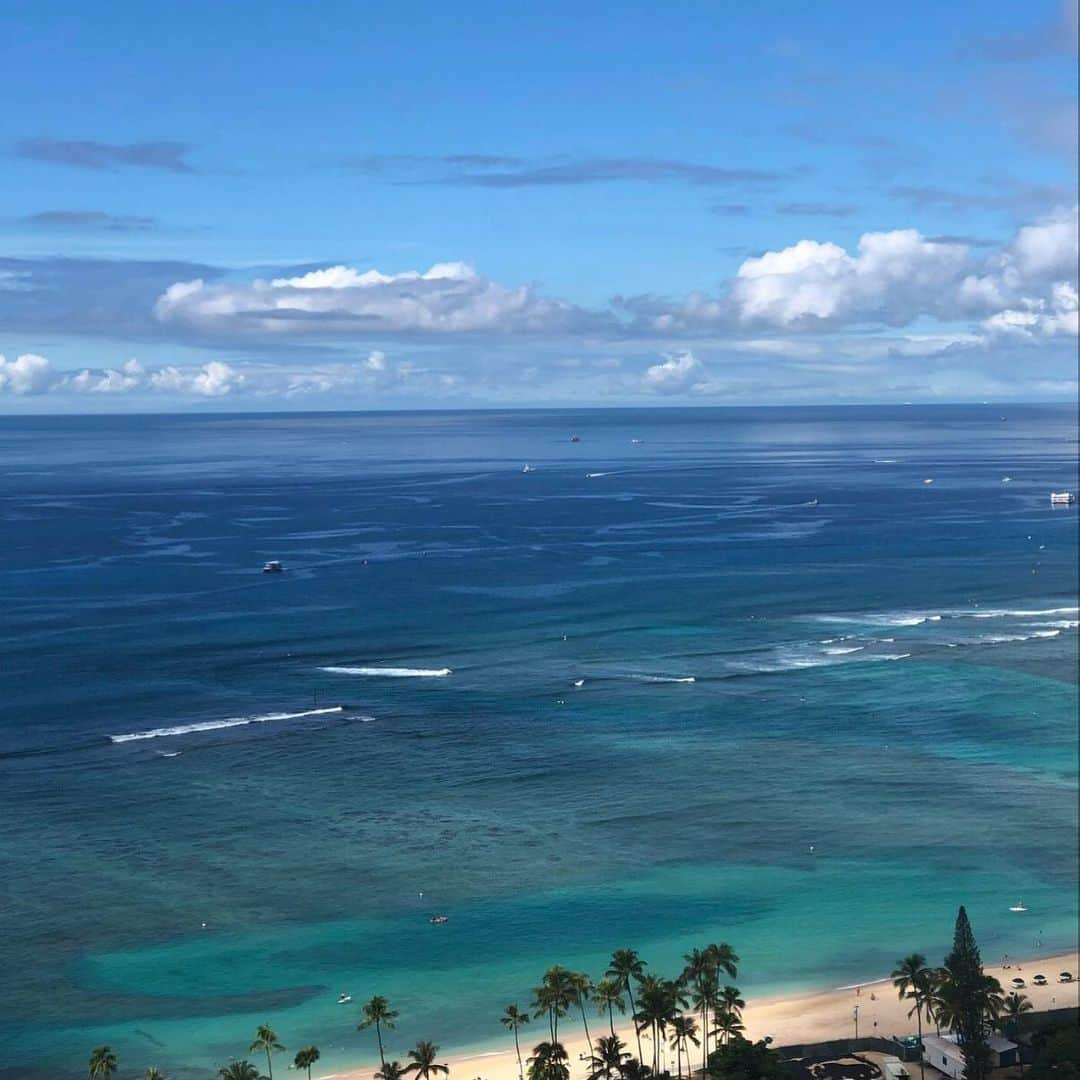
(945, 1055)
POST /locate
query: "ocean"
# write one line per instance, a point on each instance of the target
(740, 675)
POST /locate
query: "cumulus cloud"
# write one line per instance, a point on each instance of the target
(676, 374)
(890, 279)
(216, 379)
(448, 298)
(26, 374)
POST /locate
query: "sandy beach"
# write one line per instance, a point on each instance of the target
(811, 1017)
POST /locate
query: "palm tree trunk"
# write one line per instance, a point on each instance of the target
(922, 1067)
(378, 1035)
(633, 1010)
(269, 1065)
(704, 1036)
(611, 1018)
(517, 1047)
(588, 1037)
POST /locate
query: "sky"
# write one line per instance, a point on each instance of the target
(340, 205)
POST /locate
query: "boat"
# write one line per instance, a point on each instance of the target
(344, 999)
(575, 438)
(272, 567)
(812, 502)
(1062, 498)
(438, 920)
(928, 480)
(1018, 906)
(528, 468)
(636, 442)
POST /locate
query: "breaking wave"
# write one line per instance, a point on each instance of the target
(391, 672)
(215, 725)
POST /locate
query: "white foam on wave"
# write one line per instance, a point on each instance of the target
(215, 725)
(845, 651)
(665, 678)
(594, 475)
(391, 672)
(1017, 613)
(1060, 624)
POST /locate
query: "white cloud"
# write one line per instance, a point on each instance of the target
(893, 278)
(26, 374)
(1039, 318)
(449, 298)
(677, 374)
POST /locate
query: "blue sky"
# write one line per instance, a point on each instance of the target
(260, 206)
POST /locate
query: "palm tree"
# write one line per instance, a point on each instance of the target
(732, 1005)
(609, 1059)
(554, 996)
(305, 1058)
(728, 1025)
(157, 1074)
(626, 965)
(549, 1062)
(423, 1061)
(724, 959)
(912, 980)
(683, 1029)
(706, 999)
(938, 1006)
(1013, 1009)
(658, 1001)
(377, 1011)
(513, 1018)
(391, 1070)
(266, 1039)
(699, 974)
(240, 1070)
(607, 994)
(102, 1063)
(581, 990)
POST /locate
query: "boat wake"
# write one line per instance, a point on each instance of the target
(216, 725)
(391, 672)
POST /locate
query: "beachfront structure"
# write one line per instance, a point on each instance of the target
(893, 1069)
(943, 1052)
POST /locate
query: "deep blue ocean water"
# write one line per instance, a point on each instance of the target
(883, 668)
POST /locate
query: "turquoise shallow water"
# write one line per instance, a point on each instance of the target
(886, 673)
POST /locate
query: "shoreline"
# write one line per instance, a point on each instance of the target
(813, 1016)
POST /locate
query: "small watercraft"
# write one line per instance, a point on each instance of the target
(575, 438)
(1062, 498)
(528, 468)
(928, 480)
(579, 682)
(812, 502)
(344, 999)
(1018, 906)
(272, 567)
(438, 920)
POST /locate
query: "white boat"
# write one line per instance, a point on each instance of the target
(528, 468)
(1062, 498)
(344, 999)
(272, 567)
(1018, 906)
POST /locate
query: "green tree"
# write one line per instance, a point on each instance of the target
(549, 1062)
(724, 959)
(377, 1011)
(700, 975)
(514, 1018)
(732, 1005)
(423, 1061)
(102, 1063)
(967, 991)
(1014, 1010)
(745, 1060)
(625, 966)
(391, 1070)
(240, 1070)
(912, 979)
(607, 994)
(305, 1058)
(1058, 1055)
(581, 987)
(729, 1026)
(706, 999)
(684, 1030)
(554, 996)
(658, 1004)
(266, 1039)
(155, 1074)
(608, 1059)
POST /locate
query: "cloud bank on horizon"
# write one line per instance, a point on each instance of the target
(936, 260)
